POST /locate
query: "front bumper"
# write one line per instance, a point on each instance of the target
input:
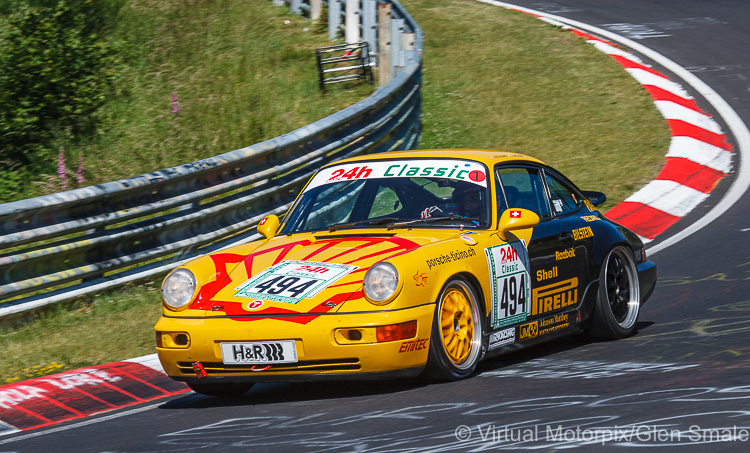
(320, 354)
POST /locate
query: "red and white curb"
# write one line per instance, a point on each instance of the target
(698, 157)
(48, 400)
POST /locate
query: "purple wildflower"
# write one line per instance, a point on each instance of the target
(61, 170)
(79, 172)
(175, 104)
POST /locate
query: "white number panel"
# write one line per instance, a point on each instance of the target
(509, 273)
(292, 281)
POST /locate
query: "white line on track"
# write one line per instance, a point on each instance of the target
(726, 112)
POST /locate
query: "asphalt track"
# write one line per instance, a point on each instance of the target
(679, 384)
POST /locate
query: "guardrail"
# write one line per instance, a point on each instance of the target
(62, 246)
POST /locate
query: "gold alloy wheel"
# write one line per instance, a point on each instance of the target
(457, 325)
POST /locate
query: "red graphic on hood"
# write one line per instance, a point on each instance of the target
(226, 262)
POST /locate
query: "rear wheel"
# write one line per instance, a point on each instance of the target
(456, 340)
(619, 300)
(221, 390)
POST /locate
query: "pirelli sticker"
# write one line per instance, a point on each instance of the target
(509, 273)
(555, 297)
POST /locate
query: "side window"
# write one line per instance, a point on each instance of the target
(386, 202)
(564, 199)
(522, 188)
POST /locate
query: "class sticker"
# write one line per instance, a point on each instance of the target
(253, 305)
(509, 274)
(291, 281)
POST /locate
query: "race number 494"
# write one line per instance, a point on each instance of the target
(512, 295)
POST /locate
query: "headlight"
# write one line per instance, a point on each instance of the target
(381, 282)
(178, 289)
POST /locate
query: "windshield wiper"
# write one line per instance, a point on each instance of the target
(379, 221)
(435, 220)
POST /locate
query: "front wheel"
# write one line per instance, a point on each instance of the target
(221, 390)
(456, 340)
(619, 300)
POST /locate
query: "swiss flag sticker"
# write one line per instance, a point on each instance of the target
(515, 214)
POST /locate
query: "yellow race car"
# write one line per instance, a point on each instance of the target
(404, 263)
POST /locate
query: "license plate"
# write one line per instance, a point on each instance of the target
(259, 352)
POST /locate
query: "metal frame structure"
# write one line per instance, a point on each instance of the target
(343, 63)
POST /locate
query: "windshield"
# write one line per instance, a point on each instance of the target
(439, 193)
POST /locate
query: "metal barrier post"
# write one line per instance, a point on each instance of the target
(316, 8)
(384, 43)
(352, 21)
(334, 19)
(370, 24)
(295, 6)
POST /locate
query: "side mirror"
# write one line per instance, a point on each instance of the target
(596, 198)
(519, 222)
(268, 226)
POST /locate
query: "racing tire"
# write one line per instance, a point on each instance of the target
(618, 301)
(456, 339)
(221, 390)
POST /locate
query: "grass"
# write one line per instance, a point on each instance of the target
(532, 88)
(237, 72)
(112, 326)
(538, 90)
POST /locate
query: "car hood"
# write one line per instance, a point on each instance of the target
(325, 270)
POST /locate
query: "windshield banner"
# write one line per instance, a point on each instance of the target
(457, 170)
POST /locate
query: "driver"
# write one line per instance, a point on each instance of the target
(468, 198)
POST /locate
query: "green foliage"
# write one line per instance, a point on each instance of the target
(53, 75)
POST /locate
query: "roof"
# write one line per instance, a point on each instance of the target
(488, 157)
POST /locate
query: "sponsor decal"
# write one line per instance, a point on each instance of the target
(420, 279)
(469, 240)
(590, 218)
(582, 233)
(253, 305)
(283, 351)
(509, 276)
(352, 173)
(477, 175)
(427, 213)
(556, 296)
(557, 322)
(541, 274)
(450, 257)
(502, 337)
(413, 345)
(590, 206)
(570, 253)
(544, 326)
(291, 281)
(455, 169)
(528, 331)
